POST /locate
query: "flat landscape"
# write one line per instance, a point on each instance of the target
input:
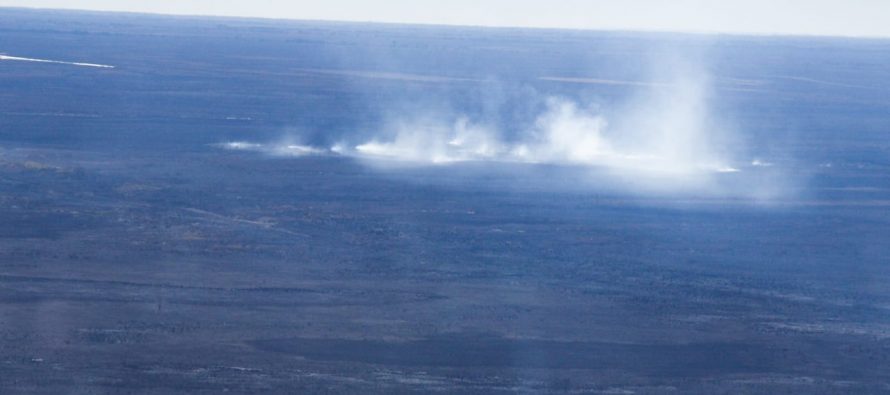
(225, 208)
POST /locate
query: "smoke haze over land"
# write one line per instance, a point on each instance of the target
(257, 206)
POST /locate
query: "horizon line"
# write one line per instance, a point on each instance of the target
(453, 25)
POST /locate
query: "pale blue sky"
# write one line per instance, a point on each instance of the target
(820, 17)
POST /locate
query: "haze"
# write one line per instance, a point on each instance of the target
(858, 18)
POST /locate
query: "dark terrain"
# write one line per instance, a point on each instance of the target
(138, 257)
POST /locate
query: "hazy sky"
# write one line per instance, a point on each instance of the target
(822, 17)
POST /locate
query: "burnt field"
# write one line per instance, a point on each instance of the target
(138, 256)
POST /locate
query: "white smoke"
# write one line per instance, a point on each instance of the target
(666, 136)
(664, 139)
(422, 142)
(566, 134)
(276, 149)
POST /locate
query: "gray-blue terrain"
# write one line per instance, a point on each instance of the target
(227, 208)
